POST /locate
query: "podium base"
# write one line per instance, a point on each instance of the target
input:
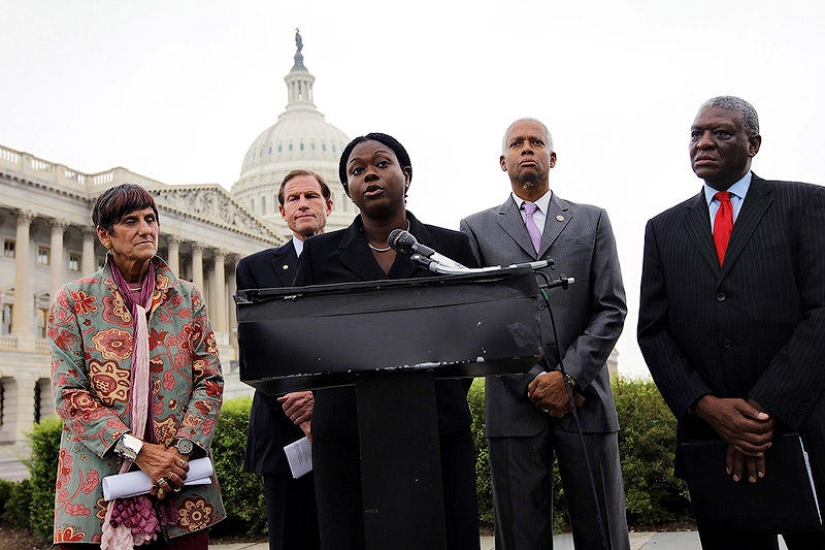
(400, 462)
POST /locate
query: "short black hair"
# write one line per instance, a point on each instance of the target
(400, 153)
(118, 201)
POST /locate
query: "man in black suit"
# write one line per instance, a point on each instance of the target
(305, 202)
(732, 321)
(529, 416)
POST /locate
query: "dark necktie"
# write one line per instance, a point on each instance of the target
(532, 228)
(722, 224)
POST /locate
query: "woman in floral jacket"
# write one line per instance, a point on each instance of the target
(138, 384)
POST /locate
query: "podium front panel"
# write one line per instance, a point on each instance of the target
(330, 335)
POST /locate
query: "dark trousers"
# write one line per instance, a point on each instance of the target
(523, 489)
(714, 538)
(337, 472)
(290, 512)
(725, 539)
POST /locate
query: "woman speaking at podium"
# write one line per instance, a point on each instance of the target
(376, 172)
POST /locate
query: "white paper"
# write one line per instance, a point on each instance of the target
(132, 484)
(299, 455)
(811, 479)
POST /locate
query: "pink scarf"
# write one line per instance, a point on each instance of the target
(133, 521)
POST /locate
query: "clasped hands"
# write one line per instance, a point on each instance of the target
(166, 466)
(747, 428)
(298, 406)
(548, 394)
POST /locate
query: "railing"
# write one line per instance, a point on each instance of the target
(8, 343)
(9, 155)
(41, 345)
(60, 174)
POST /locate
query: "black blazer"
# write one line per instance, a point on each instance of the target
(754, 327)
(344, 256)
(269, 428)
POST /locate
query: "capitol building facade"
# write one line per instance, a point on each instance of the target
(48, 239)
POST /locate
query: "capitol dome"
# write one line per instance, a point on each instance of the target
(300, 139)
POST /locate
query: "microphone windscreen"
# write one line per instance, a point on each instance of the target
(401, 241)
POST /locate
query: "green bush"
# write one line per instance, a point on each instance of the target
(655, 498)
(647, 444)
(42, 466)
(15, 500)
(484, 482)
(242, 492)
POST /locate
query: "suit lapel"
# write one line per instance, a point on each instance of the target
(697, 225)
(356, 255)
(283, 264)
(512, 223)
(757, 202)
(558, 216)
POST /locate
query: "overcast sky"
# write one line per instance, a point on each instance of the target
(178, 90)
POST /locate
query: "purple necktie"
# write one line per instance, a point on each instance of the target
(532, 229)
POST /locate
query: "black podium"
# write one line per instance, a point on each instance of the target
(391, 340)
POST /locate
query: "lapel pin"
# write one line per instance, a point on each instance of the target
(560, 218)
(285, 267)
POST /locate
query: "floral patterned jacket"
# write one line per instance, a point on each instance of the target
(90, 333)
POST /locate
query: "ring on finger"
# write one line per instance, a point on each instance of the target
(181, 463)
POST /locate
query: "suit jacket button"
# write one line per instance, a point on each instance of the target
(541, 306)
(721, 296)
(727, 343)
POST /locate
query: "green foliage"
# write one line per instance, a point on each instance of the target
(647, 444)
(484, 481)
(242, 492)
(15, 500)
(655, 498)
(42, 466)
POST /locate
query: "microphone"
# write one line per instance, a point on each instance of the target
(404, 241)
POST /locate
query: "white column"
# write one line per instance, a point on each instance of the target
(89, 264)
(197, 266)
(220, 291)
(23, 300)
(18, 407)
(57, 267)
(232, 288)
(174, 255)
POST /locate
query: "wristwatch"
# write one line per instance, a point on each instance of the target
(570, 381)
(128, 446)
(185, 446)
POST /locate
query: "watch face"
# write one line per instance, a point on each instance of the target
(185, 447)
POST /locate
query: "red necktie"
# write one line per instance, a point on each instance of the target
(723, 224)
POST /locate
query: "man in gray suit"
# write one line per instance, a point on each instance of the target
(529, 416)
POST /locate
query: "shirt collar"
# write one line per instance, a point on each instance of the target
(740, 188)
(543, 203)
(298, 244)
